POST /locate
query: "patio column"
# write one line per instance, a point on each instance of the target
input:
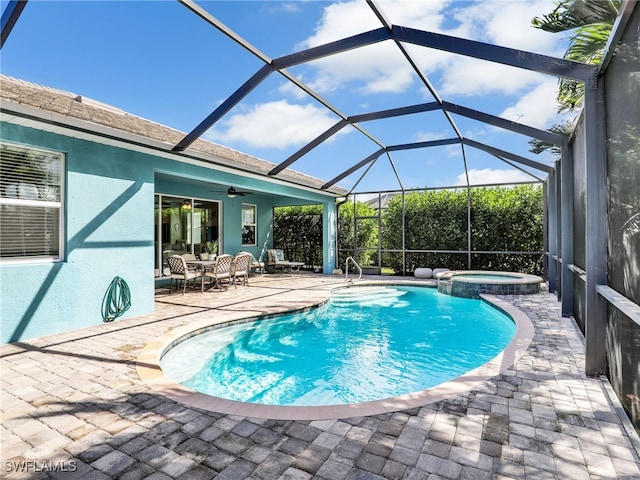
(596, 227)
(329, 234)
(545, 229)
(559, 239)
(552, 230)
(566, 195)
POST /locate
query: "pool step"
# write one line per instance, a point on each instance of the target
(366, 296)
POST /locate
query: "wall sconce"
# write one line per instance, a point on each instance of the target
(186, 204)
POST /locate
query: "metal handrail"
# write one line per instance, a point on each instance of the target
(346, 269)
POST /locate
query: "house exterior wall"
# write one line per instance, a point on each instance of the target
(109, 231)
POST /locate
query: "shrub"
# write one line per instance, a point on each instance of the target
(502, 219)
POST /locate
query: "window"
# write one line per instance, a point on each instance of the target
(248, 225)
(30, 203)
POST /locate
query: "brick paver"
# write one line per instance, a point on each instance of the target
(73, 407)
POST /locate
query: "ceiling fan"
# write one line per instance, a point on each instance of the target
(232, 192)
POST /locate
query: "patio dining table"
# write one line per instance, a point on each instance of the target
(202, 265)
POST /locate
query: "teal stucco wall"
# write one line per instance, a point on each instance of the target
(109, 231)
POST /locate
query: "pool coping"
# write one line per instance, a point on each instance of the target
(150, 372)
(510, 277)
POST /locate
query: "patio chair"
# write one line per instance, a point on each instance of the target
(241, 267)
(275, 259)
(181, 272)
(188, 256)
(221, 270)
(255, 265)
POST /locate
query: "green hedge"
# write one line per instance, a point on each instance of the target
(298, 232)
(434, 220)
(506, 219)
(367, 235)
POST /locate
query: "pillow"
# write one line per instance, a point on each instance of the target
(423, 273)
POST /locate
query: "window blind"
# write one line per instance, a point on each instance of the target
(30, 202)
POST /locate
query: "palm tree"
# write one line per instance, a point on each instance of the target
(592, 21)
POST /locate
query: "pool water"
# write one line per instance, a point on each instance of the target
(367, 343)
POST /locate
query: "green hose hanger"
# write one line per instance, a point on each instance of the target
(116, 301)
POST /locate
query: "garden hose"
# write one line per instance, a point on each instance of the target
(117, 300)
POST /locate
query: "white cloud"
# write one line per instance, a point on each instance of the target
(509, 24)
(291, 7)
(469, 76)
(428, 136)
(340, 20)
(424, 15)
(376, 68)
(343, 19)
(501, 23)
(291, 90)
(490, 176)
(381, 67)
(535, 108)
(274, 125)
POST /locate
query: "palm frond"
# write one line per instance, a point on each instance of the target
(592, 21)
(572, 14)
(560, 20)
(565, 129)
(589, 42)
(596, 11)
(570, 95)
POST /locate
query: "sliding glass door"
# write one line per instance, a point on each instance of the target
(183, 225)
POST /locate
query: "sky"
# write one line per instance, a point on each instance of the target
(160, 61)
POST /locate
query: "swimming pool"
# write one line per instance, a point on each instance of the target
(366, 345)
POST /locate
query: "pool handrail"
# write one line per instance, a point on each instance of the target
(346, 269)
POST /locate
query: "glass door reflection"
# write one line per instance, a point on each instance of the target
(183, 225)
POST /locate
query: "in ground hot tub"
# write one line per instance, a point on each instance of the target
(472, 283)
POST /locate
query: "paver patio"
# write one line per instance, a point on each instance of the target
(73, 406)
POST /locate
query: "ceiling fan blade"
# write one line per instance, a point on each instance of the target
(232, 192)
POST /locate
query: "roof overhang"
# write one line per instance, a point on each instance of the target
(33, 117)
